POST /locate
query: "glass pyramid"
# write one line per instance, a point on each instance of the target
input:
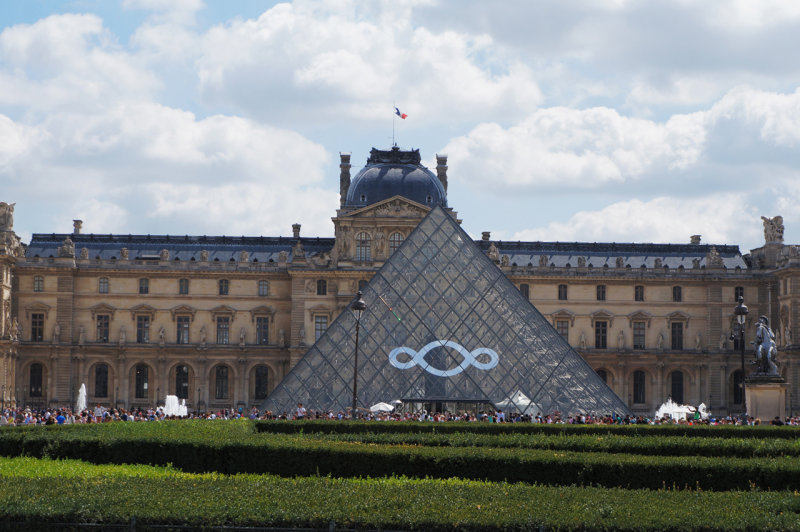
(444, 324)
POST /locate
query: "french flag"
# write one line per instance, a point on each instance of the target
(398, 113)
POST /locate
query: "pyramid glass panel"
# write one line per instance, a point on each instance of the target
(458, 331)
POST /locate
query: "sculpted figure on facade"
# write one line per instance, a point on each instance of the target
(493, 253)
(302, 336)
(713, 260)
(56, 333)
(543, 261)
(244, 256)
(297, 251)
(242, 336)
(766, 351)
(6, 216)
(723, 341)
(660, 342)
(162, 336)
(583, 341)
(15, 331)
(81, 335)
(281, 338)
(581, 262)
(657, 263)
(67, 249)
(698, 342)
(504, 260)
(204, 255)
(311, 287)
(621, 341)
(122, 336)
(84, 253)
(620, 262)
(773, 229)
(163, 254)
(203, 334)
(123, 253)
(695, 263)
(380, 241)
(283, 257)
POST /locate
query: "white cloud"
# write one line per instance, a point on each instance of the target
(719, 219)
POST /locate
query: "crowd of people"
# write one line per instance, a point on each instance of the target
(102, 414)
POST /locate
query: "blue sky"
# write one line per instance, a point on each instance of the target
(643, 121)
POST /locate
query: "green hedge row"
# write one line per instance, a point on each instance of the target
(39, 494)
(286, 455)
(362, 427)
(657, 445)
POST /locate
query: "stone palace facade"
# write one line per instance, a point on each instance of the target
(218, 321)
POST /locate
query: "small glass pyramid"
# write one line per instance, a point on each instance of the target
(443, 324)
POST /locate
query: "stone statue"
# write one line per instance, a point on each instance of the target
(244, 256)
(6, 216)
(713, 260)
(56, 332)
(657, 263)
(766, 350)
(504, 260)
(723, 341)
(660, 341)
(543, 261)
(621, 341)
(122, 336)
(123, 253)
(204, 255)
(203, 334)
(695, 263)
(620, 262)
(242, 333)
(67, 249)
(493, 253)
(380, 240)
(773, 229)
(81, 335)
(698, 342)
(298, 252)
(84, 253)
(163, 254)
(581, 262)
(162, 336)
(282, 257)
(15, 331)
(302, 336)
(787, 336)
(583, 341)
(281, 338)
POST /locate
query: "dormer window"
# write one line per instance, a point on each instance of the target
(363, 198)
(429, 199)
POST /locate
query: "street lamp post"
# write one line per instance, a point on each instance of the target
(741, 316)
(358, 306)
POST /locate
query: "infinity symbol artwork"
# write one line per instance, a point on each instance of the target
(418, 358)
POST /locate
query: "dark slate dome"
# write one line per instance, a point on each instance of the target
(395, 173)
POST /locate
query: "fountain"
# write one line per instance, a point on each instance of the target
(80, 406)
(173, 408)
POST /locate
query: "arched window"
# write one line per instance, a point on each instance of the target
(261, 382)
(38, 283)
(35, 380)
(363, 244)
(639, 387)
(322, 287)
(677, 386)
(737, 387)
(182, 381)
(141, 383)
(603, 374)
(102, 285)
(101, 380)
(221, 382)
(395, 239)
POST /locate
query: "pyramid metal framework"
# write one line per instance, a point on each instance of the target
(443, 323)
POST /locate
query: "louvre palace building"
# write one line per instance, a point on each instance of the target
(220, 321)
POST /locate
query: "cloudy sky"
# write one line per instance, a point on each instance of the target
(625, 120)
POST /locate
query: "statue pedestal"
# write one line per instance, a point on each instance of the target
(766, 397)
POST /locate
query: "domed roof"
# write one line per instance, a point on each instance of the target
(395, 173)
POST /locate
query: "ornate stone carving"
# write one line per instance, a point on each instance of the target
(380, 240)
(504, 260)
(621, 341)
(582, 341)
(203, 335)
(81, 335)
(84, 253)
(242, 336)
(67, 249)
(122, 336)
(204, 255)
(6, 216)
(244, 256)
(493, 253)
(298, 252)
(283, 257)
(543, 260)
(163, 254)
(695, 263)
(657, 263)
(123, 253)
(311, 287)
(581, 262)
(773, 229)
(620, 262)
(162, 337)
(56, 333)
(713, 260)
(15, 331)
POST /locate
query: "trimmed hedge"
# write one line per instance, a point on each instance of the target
(35, 494)
(226, 447)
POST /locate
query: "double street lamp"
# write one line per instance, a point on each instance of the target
(741, 316)
(358, 306)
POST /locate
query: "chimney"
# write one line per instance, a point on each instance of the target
(441, 169)
(296, 230)
(485, 235)
(695, 239)
(76, 226)
(344, 177)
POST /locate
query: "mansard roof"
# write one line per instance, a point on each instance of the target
(599, 255)
(181, 247)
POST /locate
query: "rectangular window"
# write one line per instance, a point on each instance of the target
(601, 292)
(142, 329)
(638, 334)
(600, 334)
(38, 283)
(223, 330)
(562, 326)
(525, 290)
(183, 286)
(638, 293)
(223, 287)
(320, 326)
(262, 330)
(677, 294)
(677, 336)
(738, 291)
(37, 327)
(183, 329)
(102, 328)
(221, 383)
(263, 288)
(322, 287)
(102, 285)
(144, 286)
(562, 292)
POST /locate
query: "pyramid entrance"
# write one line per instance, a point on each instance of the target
(444, 326)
